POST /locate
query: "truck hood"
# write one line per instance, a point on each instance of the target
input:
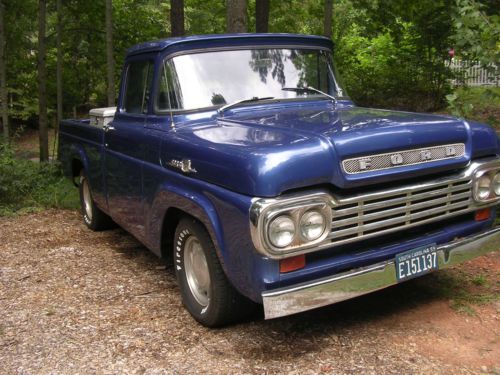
(265, 153)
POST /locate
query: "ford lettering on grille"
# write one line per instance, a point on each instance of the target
(403, 158)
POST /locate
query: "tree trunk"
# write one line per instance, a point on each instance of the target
(177, 17)
(3, 83)
(109, 53)
(262, 16)
(59, 63)
(327, 25)
(236, 16)
(42, 85)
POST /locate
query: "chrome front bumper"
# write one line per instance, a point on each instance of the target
(356, 282)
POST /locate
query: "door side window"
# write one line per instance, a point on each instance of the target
(138, 86)
(169, 95)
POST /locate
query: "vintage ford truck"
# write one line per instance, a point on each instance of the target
(241, 159)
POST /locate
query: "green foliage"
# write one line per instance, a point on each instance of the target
(391, 53)
(20, 24)
(205, 17)
(476, 39)
(458, 106)
(389, 71)
(463, 290)
(480, 280)
(26, 185)
(477, 35)
(476, 103)
(295, 16)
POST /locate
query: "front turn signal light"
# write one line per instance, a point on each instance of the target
(292, 263)
(482, 215)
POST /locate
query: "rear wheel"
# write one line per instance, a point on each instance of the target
(93, 217)
(206, 292)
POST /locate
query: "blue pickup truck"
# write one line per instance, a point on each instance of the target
(241, 160)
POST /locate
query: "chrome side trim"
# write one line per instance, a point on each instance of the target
(356, 282)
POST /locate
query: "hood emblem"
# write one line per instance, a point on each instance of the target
(184, 165)
(451, 151)
(396, 159)
(378, 162)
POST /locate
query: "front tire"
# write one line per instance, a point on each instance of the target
(205, 290)
(93, 217)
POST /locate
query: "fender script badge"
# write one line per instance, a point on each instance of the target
(184, 165)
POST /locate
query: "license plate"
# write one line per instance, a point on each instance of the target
(416, 262)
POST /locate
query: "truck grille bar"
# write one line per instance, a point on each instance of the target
(366, 216)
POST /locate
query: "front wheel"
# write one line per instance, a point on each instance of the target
(206, 292)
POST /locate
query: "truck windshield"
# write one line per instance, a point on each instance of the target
(217, 78)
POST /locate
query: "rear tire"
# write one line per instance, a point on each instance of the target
(93, 217)
(205, 290)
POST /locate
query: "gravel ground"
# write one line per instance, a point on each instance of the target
(77, 302)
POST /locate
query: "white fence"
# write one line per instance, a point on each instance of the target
(475, 74)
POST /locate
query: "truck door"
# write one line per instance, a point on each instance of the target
(124, 148)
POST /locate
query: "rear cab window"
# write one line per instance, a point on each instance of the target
(138, 86)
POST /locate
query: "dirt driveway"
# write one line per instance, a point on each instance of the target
(73, 301)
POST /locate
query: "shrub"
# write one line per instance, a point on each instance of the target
(393, 72)
(27, 185)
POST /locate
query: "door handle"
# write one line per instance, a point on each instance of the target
(107, 128)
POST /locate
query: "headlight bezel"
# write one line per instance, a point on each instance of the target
(293, 207)
(490, 171)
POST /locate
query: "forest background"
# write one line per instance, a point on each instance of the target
(59, 58)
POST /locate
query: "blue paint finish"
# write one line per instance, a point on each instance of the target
(79, 141)
(256, 150)
(123, 166)
(250, 160)
(228, 40)
(267, 150)
(485, 140)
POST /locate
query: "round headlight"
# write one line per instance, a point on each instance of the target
(496, 184)
(483, 187)
(312, 225)
(281, 231)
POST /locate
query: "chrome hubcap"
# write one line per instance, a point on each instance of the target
(87, 200)
(197, 275)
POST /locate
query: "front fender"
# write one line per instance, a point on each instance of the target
(190, 202)
(225, 215)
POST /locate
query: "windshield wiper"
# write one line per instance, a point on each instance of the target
(310, 89)
(233, 104)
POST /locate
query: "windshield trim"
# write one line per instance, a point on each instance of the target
(214, 108)
(240, 48)
(169, 56)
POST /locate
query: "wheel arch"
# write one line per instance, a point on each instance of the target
(170, 206)
(171, 219)
(78, 161)
(76, 167)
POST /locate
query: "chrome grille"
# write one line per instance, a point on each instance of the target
(378, 162)
(366, 216)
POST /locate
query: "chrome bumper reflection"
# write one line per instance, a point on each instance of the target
(353, 283)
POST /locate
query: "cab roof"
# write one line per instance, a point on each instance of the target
(217, 40)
